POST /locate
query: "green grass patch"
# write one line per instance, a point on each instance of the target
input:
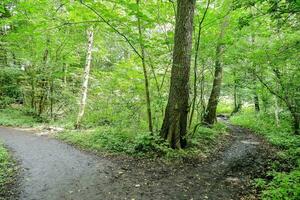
(285, 173)
(16, 117)
(7, 172)
(224, 108)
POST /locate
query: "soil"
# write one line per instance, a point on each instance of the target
(54, 170)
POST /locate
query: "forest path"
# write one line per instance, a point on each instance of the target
(52, 170)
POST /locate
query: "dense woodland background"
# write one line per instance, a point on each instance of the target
(106, 65)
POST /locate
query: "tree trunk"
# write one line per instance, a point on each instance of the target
(197, 45)
(175, 121)
(51, 98)
(65, 71)
(256, 102)
(210, 113)
(296, 117)
(237, 99)
(85, 78)
(276, 112)
(146, 80)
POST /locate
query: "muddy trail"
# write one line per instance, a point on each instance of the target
(53, 170)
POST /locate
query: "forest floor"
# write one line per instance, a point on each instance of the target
(51, 169)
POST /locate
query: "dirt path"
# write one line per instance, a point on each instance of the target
(54, 170)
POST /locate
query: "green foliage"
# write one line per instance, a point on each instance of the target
(115, 141)
(283, 186)
(16, 117)
(10, 90)
(122, 140)
(224, 108)
(205, 137)
(285, 182)
(7, 170)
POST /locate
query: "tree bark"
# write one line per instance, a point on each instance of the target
(174, 125)
(276, 112)
(237, 99)
(296, 117)
(197, 45)
(210, 113)
(146, 79)
(65, 71)
(85, 78)
(256, 102)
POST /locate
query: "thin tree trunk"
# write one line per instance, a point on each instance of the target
(255, 95)
(276, 112)
(44, 83)
(256, 102)
(175, 121)
(210, 113)
(85, 78)
(51, 98)
(202, 101)
(65, 71)
(237, 100)
(197, 45)
(296, 117)
(146, 80)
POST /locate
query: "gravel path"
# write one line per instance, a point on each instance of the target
(53, 170)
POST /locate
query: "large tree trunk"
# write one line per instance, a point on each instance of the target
(210, 113)
(146, 79)
(85, 78)
(175, 120)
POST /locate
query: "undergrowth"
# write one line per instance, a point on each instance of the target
(114, 138)
(17, 117)
(117, 140)
(284, 179)
(7, 172)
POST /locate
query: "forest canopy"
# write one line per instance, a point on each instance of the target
(152, 75)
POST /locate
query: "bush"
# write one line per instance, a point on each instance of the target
(10, 91)
(7, 171)
(284, 186)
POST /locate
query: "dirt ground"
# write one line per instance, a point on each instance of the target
(54, 170)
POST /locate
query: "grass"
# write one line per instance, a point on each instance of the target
(7, 172)
(16, 117)
(224, 108)
(285, 173)
(116, 140)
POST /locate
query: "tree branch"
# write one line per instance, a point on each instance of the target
(113, 28)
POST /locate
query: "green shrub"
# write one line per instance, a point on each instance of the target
(10, 91)
(7, 170)
(284, 186)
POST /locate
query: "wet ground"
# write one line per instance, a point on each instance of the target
(52, 170)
